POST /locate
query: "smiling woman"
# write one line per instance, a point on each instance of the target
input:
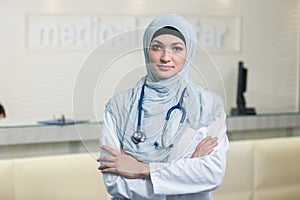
(155, 137)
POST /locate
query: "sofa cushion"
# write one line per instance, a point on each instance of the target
(59, 177)
(238, 179)
(6, 179)
(276, 170)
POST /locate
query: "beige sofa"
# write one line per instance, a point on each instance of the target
(259, 170)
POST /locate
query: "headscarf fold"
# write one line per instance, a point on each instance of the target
(202, 107)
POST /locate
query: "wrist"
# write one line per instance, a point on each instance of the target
(144, 171)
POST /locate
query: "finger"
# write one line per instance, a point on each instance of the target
(109, 170)
(109, 149)
(211, 145)
(216, 143)
(122, 151)
(204, 141)
(211, 141)
(106, 166)
(210, 138)
(206, 138)
(116, 171)
(208, 146)
(214, 139)
(106, 159)
(209, 152)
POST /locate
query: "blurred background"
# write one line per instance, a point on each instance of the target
(45, 45)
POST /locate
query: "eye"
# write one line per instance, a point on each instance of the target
(156, 47)
(177, 49)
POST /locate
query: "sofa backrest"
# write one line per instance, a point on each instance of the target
(266, 169)
(53, 177)
(277, 169)
(238, 180)
(6, 180)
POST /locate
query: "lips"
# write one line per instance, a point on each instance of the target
(164, 67)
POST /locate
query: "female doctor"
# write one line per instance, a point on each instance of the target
(155, 140)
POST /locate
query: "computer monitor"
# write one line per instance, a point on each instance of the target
(242, 85)
(241, 89)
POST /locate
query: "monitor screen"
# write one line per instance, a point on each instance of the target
(242, 85)
(241, 89)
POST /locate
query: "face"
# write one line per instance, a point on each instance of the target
(167, 54)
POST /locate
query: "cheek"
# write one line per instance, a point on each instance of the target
(180, 62)
(152, 60)
(153, 57)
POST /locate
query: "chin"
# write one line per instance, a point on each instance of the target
(166, 76)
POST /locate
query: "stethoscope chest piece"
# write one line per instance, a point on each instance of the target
(138, 136)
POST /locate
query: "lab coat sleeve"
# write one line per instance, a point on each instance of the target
(119, 186)
(192, 175)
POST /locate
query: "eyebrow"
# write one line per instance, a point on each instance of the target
(175, 43)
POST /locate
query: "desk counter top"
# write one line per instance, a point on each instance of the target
(36, 133)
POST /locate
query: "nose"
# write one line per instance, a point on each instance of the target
(166, 56)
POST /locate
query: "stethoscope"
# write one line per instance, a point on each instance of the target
(138, 136)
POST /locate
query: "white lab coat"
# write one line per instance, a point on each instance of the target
(182, 178)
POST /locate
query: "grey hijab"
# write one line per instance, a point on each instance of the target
(201, 106)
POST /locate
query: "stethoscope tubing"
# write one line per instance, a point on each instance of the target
(138, 136)
(179, 107)
(140, 107)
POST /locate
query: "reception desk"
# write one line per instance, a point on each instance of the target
(32, 139)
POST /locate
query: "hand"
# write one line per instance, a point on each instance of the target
(205, 147)
(122, 164)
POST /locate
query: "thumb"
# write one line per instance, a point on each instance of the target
(122, 151)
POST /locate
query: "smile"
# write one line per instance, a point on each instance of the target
(165, 67)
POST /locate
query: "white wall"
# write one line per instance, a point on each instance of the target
(38, 82)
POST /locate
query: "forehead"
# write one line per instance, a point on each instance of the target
(168, 39)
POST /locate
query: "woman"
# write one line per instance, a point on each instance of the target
(150, 151)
